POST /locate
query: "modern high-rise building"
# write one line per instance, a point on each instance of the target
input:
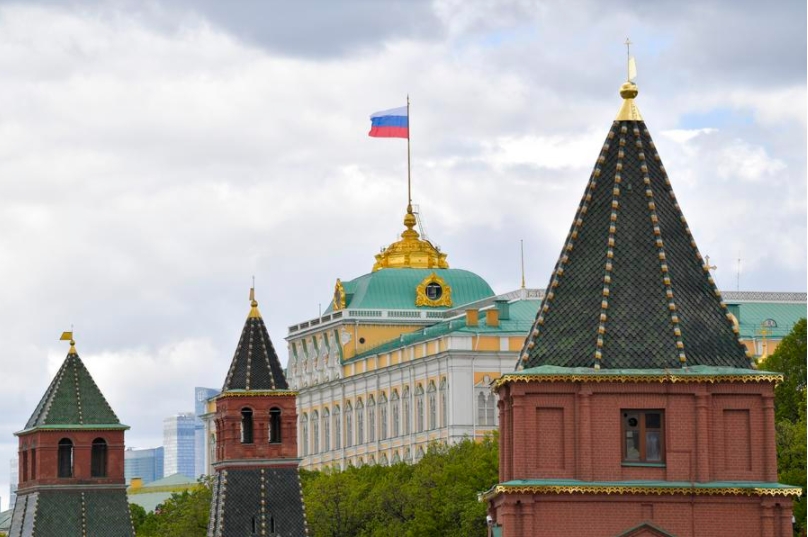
(13, 480)
(178, 442)
(147, 464)
(201, 397)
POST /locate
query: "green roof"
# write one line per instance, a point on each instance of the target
(751, 316)
(519, 321)
(73, 400)
(393, 288)
(630, 288)
(5, 520)
(679, 372)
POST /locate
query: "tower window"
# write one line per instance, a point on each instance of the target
(65, 458)
(246, 426)
(643, 436)
(275, 426)
(98, 463)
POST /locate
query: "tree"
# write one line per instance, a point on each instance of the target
(790, 413)
(437, 496)
(789, 359)
(183, 513)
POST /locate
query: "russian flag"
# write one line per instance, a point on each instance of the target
(392, 123)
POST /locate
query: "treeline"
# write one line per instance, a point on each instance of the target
(437, 496)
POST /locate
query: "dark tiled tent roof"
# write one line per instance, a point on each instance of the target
(630, 289)
(255, 365)
(269, 496)
(100, 513)
(73, 399)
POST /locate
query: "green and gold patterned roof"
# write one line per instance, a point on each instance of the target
(630, 288)
(73, 401)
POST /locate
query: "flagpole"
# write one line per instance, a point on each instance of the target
(409, 181)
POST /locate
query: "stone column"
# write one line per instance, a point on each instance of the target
(786, 527)
(702, 436)
(767, 520)
(504, 437)
(506, 517)
(526, 516)
(585, 434)
(518, 441)
(769, 445)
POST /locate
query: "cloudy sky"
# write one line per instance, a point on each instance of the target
(154, 156)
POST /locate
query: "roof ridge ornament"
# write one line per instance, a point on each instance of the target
(254, 313)
(628, 91)
(68, 336)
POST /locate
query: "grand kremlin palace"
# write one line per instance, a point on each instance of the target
(405, 355)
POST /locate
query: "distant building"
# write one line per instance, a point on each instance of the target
(150, 496)
(14, 479)
(147, 464)
(201, 396)
(178, 442)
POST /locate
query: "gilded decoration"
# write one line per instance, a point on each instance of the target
(669, 377)
(411, 251)
(339, 296)
(434, 292)
(635, 489)
(257, 393)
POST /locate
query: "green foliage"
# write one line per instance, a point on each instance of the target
(790, 412)
(138, 515)
(437, 496)
(183, 514)
(789, 359)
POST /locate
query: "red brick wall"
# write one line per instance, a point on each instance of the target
(46, 445)
(610, 515)
(228, 428)
(712, 432)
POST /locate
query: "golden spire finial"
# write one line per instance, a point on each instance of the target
(628, 91)
(411, 251)
(254, 313)
(68, 336)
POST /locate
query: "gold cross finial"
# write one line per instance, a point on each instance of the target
(628, 58)
(708, 265)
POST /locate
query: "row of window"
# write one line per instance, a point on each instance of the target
(383, 460)
(248, 428)
(394, 418)
(98, 460)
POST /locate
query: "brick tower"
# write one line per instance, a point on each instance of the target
(257, 486)
(634, 409)
(71, 459)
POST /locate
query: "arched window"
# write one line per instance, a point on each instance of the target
(372, 460)
(33, 462)
(432, 401)
(444, 403)
(275, 425)
(98, 458)
(304, 435)
(315, 433)
(407, 455)
(407, 410)
(419, 409)
(486, 406)
(360, 422)
(348, 424)
(326, 429)
(395, 410)
(420, 454)
(371, 419)
(383, 459)
(383, 417)
(65, 458)
(396, 458)
(25, 465)
(337, 428)
(246, 426)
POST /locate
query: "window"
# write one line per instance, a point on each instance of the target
(33, 463)
(486, 405)
(444, 404)
(433, 406)
(98, 458)
(304, 436)
(395, 410)
(419, 409)
(360, 422)
(246, 426)
(326, 430)
(275, 425)
(371, 419)
(407, 411)
(315, 432)
(383, 417)
(434, 291)
(348, 425)
(25, 465)
(337, 428)
(644, 436)
(65, 458)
